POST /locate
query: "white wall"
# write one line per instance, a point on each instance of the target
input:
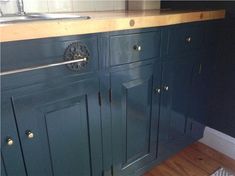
(219, 141)
(10, 6)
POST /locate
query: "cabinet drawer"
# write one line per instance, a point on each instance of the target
(184, 39)
(134, 47)
(45, 60)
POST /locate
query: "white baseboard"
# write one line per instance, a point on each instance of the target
(219, 141)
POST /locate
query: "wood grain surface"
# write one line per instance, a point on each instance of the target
(195, 160)
(102, 22)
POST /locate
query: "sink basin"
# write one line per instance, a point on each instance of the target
(9, 19)
(57, 16)
(41, 16)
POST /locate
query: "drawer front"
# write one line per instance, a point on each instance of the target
(52, 53)
(134, 47)
(184, 39)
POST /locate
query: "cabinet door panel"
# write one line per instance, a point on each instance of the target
(134, 127)
(202, 89)
(60, 118)
(70, 139)
(3, 169)
(174, 106)
(11, 154)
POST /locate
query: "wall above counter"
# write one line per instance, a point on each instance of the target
(10, 6)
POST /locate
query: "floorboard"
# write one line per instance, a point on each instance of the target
(195, 160)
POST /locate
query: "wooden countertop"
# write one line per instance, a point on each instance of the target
(103, 22)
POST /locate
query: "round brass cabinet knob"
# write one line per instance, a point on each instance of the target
(188, 39)
(9, 141)
(29, 134)
(166, 88)
(137, 48)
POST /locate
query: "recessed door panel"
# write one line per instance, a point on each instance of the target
(175, 103)
(68, 139)
(137, 118)
(12, 159)
(59, 118)
(134, 126)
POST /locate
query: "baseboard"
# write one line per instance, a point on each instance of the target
(219, 141)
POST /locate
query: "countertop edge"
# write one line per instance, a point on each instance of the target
(57, 28)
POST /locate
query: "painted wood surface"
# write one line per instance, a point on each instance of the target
(110, 116)
(66, 127)
(134, 125)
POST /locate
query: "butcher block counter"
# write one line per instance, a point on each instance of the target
(103, 22)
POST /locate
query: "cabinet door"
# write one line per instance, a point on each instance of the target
(176, 81)
(12, 159)
(202, 89)
(3, 169)
(60, 129)
(134, 124)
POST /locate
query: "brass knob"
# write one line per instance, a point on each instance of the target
(158, 90)
(188, 39)
(166, 88)
(29, 134)
(9, 141)
(137, 48)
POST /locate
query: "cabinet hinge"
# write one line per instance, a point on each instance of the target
(99, 98)
(110, 95)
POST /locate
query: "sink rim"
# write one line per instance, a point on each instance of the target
(41, 16)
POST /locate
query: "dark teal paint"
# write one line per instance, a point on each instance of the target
(3, 169)
(107, 118)
(174, 105)
(178, 36)
(122, 49)
(221, 112)
(134, 129)
(66, 124)
(11, 155)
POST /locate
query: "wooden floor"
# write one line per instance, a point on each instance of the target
(196, 160)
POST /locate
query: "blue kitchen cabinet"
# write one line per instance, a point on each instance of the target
(11, 156)
(185, 38)
(56, 109)
(139, 99)
(3, 169)
(174, 107)
(59, 128)
(203, 79)
(134, 111)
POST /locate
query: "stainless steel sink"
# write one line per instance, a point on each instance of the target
(57, 16)
(9, 19)
(41, 16)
